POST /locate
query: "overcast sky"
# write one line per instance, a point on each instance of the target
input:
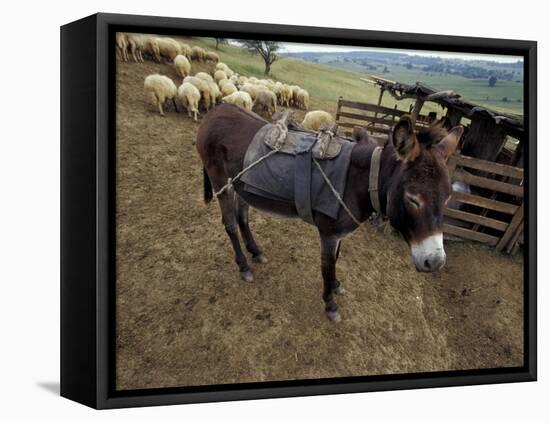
(296, 47)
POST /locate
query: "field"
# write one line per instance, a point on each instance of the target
(475, 90)
(185, 318)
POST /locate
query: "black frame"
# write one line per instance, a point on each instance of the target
(87, 210)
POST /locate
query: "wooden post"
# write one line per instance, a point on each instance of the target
(416, 110)
(512, 228)
(382, 90)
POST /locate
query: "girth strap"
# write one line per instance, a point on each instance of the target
(302, 185)
(373, 178)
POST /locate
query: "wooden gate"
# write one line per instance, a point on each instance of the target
(495, 214)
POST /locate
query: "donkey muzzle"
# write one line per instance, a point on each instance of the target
(429, 254)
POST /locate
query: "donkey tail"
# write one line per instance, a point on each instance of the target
(208, 193)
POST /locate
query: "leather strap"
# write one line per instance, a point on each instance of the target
(373, 178)
(302, 185)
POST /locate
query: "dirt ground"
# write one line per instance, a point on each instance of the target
(185, 318)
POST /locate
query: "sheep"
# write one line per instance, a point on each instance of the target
(294, 89)
(314, 119)
(302, 99)
(213, 57)
(204, 76)
(136, 43)
(189, 96)
(185, 50)
(286, 95)
(222, 66)
(122, 46)
(215, 91)
(159, 89)
(219, 75)
(266, 101)
(240, 98)
(182, 65)
(168, 48)
(198, 54)
(152, 48)
(227, 87)
(251, 89)
(204, 89)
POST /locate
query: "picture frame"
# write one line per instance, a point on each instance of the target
(88, 194)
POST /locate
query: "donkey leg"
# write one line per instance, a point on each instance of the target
(227, 205)
(338, 288)
(329, 245)
(242, 219)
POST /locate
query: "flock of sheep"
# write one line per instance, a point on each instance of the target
(202, 91)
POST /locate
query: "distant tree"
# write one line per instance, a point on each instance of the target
(504, 99)
(386, 70)
(266, 49)
(409, 65)
(492, 81)
(221, 41)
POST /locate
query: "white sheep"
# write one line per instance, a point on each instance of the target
(185, 50)
(204, 76)
(159, 89)
(302, 99)
(251, 89)
(204, 89)
(121, 40)
(240, 98)
(152, 48)
(182, 65)
(213, 57)
(215, 91)
(266, 100)
(219, 75)
(136, 44)
(227, 87)
(168, 47)
(294, 89)
(189, 97)
(314, 119)
(222, 66)
(198, 54)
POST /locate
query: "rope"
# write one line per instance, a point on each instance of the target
(327, 181)
(230, 181)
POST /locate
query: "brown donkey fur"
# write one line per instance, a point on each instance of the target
(413, 189)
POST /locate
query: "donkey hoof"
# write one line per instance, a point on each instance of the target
(340, 290)
(247, 276)
(260, 258)
(334, 316)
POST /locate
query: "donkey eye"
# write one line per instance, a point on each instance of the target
(413, 199)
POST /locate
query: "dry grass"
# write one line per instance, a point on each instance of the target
(184, 317)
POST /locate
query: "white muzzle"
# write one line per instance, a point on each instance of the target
(429, 254)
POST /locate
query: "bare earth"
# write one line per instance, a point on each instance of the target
(185, 318)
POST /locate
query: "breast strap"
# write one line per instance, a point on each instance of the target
(373, 178)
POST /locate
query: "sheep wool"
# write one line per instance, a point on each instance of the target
(159, 89)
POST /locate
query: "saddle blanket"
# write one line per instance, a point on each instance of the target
(291, 176)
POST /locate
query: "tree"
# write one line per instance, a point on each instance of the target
(266, 49)
(385, 70)
(220, 41)
(492, 81)
(409, 65)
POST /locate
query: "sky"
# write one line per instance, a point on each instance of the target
(296, 47)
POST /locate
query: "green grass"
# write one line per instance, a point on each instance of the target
(326, 83)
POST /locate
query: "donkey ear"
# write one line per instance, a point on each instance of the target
(448, 145)
(404, 140)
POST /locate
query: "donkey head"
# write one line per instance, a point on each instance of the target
(420, 190)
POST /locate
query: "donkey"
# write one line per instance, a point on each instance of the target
(413, 188)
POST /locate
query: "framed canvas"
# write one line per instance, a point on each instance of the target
(257, 211)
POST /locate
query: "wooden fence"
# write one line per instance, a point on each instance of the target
(377, 119)
(495, 214)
